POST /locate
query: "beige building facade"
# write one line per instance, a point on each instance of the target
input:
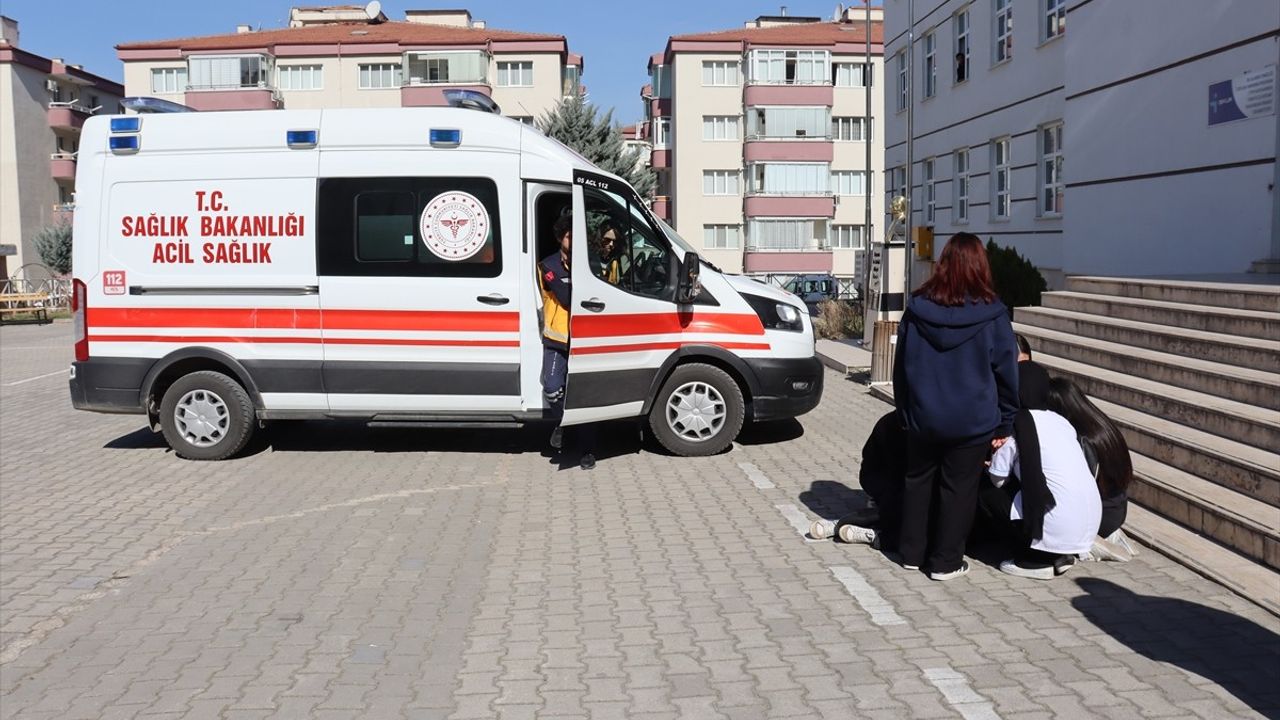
(341, 57)
(760, 138)
(43, 104)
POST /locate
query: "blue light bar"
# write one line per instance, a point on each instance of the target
(301, 139)
(130, 124)
(445, 138)
(121, 144)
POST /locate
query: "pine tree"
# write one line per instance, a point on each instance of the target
(53, 242)
(577, 125)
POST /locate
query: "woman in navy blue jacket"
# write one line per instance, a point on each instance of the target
(955, 384)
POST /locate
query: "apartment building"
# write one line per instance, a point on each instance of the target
(759, 139)
(1071, 132)
(340, 56)
(43, 104)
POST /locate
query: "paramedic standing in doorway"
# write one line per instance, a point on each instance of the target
(554, 279)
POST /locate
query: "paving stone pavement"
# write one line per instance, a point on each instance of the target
(343, 572)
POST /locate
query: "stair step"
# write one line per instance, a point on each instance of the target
(1227, 349)
(1241, 384)
(1232, 295)
(1241, 523)
(1248, 579)
(1237, 421)
(1252, 471)
(1209, 318)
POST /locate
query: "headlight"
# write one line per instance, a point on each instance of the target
(775, 315)
(788, 314)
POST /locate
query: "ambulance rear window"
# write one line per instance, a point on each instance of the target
(384, 226)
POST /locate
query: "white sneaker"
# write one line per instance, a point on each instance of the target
(1012, 567)
(962, 570)
(822, 529)
(857, 534)
(1119, 538)
(1104, 549)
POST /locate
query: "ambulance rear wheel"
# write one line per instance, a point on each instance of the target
(206, 416)
(698, 412)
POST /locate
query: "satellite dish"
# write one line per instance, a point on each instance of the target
(373, 9)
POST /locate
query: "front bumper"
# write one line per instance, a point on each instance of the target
(108, 385)
(787, 387)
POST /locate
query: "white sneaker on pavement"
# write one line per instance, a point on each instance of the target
(858, 534)
(822, 529)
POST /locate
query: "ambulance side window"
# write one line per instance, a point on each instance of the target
(644, 259)
(408, 227)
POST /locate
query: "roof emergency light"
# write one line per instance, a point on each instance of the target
(471, 100)
(442, 138)
(301, 139)
(130, 124)
(140, 105)
(124, 144)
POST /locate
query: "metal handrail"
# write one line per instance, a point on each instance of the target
(73, 105)
(63, 155)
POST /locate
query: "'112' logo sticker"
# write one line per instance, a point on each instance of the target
(113, 282)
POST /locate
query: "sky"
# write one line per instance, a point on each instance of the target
(615, 38)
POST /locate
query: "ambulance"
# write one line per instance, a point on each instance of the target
(237, 268)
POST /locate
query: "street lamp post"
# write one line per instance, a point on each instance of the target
(866, 181)
(910, 193)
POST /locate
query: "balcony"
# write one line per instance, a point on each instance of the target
(800, 260)
(662, 207)
(63, 213)
(660, 158)
(67, 115)
(63, 166)
(789, 95)
(432, 95)
(803, 149)
(811, 205)
(233, 98)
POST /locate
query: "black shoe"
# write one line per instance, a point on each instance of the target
(1063, 564)
(588, 461)
(557, 438)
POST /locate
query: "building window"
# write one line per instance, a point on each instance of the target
(787, 234)
(902, 81)
(515, 74)
(1001, 178)
(1055, 18)
(720, 182)
(790, 178)
(447, 67)
(849, 182)
(960, 212)
(846, 237)
(168, 80)
(662, 132)
(930, 64)
(719, 237)
(851, 75)
(222, 73)
(661, 79)
(851, 128)
(930, 191)
(788, 122)
(962, 46)
(720, 72)
(790, 67)
(1003, 30)
(719, 127)
(300, 77)
(894, 179)
(379, 76)
(1051, 187)
(571, 81)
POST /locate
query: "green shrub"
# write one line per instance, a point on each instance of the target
(837, 319)
(53, 242)
(1018, 282)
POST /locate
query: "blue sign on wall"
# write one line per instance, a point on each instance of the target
(1251, 95)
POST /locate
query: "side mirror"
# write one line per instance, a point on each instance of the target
(689, 287)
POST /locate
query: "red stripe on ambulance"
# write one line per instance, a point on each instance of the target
(642, 347)
(290, 319)
(587, 326)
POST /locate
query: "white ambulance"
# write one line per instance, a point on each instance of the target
(235, 268)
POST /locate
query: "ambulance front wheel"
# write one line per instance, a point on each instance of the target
(206, 416)
(698, 412)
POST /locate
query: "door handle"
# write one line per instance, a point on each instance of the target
(493, 299)
(594, 304)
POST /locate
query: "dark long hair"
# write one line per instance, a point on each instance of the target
(1115, 468)
(961, 275)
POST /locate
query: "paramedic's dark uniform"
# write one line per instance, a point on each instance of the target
(553, 279)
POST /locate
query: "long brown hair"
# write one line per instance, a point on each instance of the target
(1099, 432)
(961, 275)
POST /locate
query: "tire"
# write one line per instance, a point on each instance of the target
(715, 393)
(219, 416)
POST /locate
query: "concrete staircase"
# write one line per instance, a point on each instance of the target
(1191, 373)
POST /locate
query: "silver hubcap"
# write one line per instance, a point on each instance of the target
(696, 411)
(202, 418)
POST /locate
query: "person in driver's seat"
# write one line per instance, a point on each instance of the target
(605, 262)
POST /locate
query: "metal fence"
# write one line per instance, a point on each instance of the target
(58, 289)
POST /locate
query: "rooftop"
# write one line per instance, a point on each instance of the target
(803, 33)
(345, 33)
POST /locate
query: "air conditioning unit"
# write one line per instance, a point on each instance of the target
(51, 85)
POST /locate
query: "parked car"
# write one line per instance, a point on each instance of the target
(813, 289)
